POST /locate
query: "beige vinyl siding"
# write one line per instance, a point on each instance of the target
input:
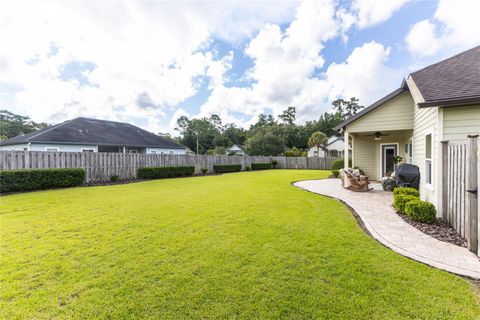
(425, 121)
(458, 122)
(364, 156)
(367, 152)
(396, 114)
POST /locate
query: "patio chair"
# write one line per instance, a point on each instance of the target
(357, 183)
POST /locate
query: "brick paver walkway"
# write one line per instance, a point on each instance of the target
(375, 210)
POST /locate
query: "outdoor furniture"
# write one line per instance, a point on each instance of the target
(357, 183)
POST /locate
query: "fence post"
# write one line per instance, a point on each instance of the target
(472, 194)
(444, 178)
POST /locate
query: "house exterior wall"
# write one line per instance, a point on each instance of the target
(42, 147)
(393, 115)
(61, 147)
(364, 155)
(337, 145)
(15, 147)
(426, 122)
(458, 122)
(78, 148)
(165, 151)
(367, 152)
(312, 150)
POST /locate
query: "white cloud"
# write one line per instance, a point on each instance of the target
(364, 74)
(147, 56)
(454, 27)
(372, 12)
(286, 69)
(422, 38)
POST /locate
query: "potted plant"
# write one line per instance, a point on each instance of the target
(397, 160)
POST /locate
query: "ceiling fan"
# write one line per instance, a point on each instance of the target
(377, 135)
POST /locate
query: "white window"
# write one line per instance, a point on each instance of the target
(51, 149)
(315, 153)
(153, 151)
(87, 149)
(171, 152)
(428, 158)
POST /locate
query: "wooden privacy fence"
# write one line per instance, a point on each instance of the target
(460, 180)
(101, 166)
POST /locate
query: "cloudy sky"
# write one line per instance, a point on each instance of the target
(149, 62)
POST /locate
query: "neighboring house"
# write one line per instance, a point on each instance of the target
(437, 103)
(334, 148)
(236, 149)
(189, 151)
(92, 135)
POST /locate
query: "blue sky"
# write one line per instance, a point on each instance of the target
(150, 62)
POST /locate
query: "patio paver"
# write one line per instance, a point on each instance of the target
(376, 211)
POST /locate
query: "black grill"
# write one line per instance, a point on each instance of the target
(407, 175)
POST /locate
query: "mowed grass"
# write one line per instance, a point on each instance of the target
(242, 245)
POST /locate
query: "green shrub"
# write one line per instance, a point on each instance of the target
(114, 178)
(248, 168)
(37, 179)
(400, 200)
(274, 163)
(164, 172)
(409, 191)
(261, 165)
(204, 170)
(224, 168)
(421, 211)
(339, 164)
(335, 173)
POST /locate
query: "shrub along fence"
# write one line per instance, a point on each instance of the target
(101, 166)
(36, 179)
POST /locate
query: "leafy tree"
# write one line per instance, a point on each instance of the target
(205, 130)
(263, 121)
(294, 152)
(347, 108)
(213, 134)
(264, 144)
(317, 139)
(288, 116)
(234, 135)
(12, 125)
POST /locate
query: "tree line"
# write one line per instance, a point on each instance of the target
(268, 136)
(12, 125)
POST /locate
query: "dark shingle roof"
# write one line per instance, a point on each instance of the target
(98, 132)
(454, 81)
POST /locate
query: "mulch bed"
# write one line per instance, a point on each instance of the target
(438, 230)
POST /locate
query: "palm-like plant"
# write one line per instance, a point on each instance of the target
(318, 139)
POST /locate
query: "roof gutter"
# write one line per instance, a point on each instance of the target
(451, 102)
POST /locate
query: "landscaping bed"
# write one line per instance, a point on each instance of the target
(438, 230)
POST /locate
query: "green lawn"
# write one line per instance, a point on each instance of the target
(241, 245)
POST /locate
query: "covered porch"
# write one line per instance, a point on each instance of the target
(374, 151)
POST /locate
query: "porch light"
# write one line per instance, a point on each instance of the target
(377, 138)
